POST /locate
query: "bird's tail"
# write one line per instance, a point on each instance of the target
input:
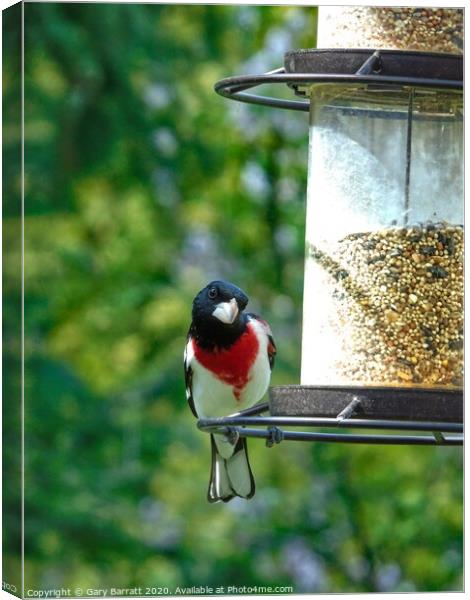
(230, 476)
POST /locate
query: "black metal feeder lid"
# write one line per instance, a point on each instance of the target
(348, 66)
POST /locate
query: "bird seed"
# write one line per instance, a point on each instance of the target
(395, 307)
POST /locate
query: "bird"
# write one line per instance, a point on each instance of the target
(228, 359)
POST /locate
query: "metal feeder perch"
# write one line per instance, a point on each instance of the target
(382, 345)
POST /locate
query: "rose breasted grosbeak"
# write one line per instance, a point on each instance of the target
(227, 362)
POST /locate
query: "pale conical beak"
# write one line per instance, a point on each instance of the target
(226, 312)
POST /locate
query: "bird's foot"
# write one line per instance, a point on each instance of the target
(275, 436)
(231, 436)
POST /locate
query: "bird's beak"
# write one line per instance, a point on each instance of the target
(226, 312)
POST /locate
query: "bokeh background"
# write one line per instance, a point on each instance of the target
(141, 186)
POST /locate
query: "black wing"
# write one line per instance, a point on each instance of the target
(272, 350)
(188, 375)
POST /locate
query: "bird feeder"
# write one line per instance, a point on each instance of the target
(382, 342)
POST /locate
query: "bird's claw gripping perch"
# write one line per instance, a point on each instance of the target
(275, 436)
(232, 435)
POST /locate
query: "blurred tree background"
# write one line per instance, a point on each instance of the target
(141, 185)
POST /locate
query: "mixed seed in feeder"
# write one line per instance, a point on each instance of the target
(401, 28)
(395, 302)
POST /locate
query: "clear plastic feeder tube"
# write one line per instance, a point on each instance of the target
(383, 293)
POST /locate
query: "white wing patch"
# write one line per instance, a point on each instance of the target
(188, 353)
(188, 359)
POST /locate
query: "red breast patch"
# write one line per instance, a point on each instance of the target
(232, 365)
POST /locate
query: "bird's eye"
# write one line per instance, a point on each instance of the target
(213, 293)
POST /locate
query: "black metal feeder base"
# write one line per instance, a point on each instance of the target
(413, 412)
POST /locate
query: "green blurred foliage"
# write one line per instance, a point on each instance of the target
(141, 185)
(11, 290)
